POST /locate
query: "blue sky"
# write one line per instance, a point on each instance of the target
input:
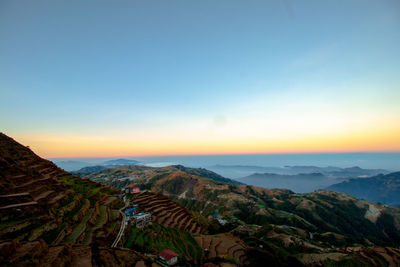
(147, 72)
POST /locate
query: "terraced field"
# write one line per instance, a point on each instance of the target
(166, 212)
(89, 213)
(38, 200)
(37, 253)
(155, 238)
(222, 247)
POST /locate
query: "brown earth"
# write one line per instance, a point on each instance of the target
(37, 253)
(167, 212)
(222, 247)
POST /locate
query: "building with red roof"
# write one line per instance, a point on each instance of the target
(168, 257)
(132, 188)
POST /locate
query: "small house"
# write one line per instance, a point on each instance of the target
(168, 257)
(142, 219)
(130, 211)
(133, 189)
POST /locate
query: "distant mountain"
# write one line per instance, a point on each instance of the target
(120, 162)
(109, 164)
(71, 165)
(124, 175)
(206, 173)
(76, 166)
(90, 169)
(380, 188)
(299, 183)
(237, 171)
(358, 172)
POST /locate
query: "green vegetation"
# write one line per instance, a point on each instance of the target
(155, 238)
(50, 237)
(79, 229)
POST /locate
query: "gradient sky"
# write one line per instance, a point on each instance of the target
(119, 78)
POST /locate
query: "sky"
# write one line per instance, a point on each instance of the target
(138, 78)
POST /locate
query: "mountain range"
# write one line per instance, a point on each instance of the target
(74, 165)
(239, 171)
(299, 183)
(380, 188)
(324, 222)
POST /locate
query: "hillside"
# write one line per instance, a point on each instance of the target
(314, 228)
(380, 188)
(299, 183)
(122, 176)
(50, 217)
(76, 166)
(239, 171)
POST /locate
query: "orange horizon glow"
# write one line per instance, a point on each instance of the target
(281, 133)
(85, 147)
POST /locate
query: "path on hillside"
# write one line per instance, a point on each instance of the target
(123, 224)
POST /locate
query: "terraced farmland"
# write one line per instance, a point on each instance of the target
(38, 200)
(166, 212)
(222, 247)
(37, 253)
(155, 238)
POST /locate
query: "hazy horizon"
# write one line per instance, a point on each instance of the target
(387, 161)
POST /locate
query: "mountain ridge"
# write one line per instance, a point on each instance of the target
(380, 188)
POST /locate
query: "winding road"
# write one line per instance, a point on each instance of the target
(123, 224)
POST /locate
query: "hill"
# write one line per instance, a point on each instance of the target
(122, 176)
(49, 217)
(299, 183)
(120, 162)
(78, 166)
(239, 171)
(380, 188)
(71, 165)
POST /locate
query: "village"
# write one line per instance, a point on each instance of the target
(132, 216)
(146, 211)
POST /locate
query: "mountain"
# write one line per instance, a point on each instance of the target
(357, 172)
(82, 166)
(120, 162)
(380, 188)
(71, 165)
(299, 183)
(122, 176)
(206, 173)
(106, 165)
(238, 171)
(91, 169)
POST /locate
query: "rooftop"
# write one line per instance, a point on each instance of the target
(167, 254)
